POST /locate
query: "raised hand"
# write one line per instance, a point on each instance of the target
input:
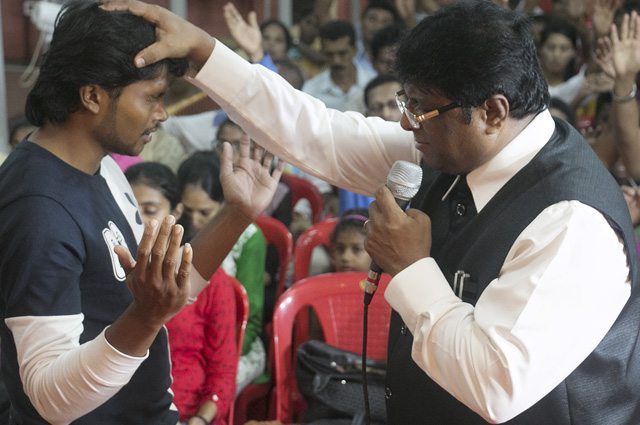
(407, 11)
(602, 15)
(156, 288)
(250, 185)
(247, 35)
(158, 291)
(395, 238)
(619, 55)
(176, 38)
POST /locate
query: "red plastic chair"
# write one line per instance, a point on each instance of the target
(318, 234)
(276, 233)
(253, 401)
(301, 188)
(242, 317)
(337, 299)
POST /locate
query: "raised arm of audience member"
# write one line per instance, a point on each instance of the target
(619, 57)
(248, 188)
(632, 196)
(602, 13)
(246, 34)
(407, 11)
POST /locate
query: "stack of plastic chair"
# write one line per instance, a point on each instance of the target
(242, 317)
(303, 189)
(337, 299)
(316, 235)
(253, 401)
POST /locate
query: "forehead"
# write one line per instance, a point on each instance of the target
(334, 45)
(158, 84)
(377, 13)
(146, 194)
(558, 39)
(350, 235)
(385, 91)
(273, 30)
(413, 92)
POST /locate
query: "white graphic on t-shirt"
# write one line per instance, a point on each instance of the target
(113, 237)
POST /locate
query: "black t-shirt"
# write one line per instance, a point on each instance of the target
(58, 227)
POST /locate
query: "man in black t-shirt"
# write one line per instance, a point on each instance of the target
(83, 337)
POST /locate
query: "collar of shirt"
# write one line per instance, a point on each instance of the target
(486, 180)
(362, 79)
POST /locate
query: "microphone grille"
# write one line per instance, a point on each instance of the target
(404, 179)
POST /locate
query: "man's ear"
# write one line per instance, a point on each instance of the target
(495, 112)
(92, 98)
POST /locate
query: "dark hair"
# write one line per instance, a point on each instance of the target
(563, 106)
(627, 7)
(157, 176)
(537, 24)
(384, 5)
(386, 37)
(335, 30)
(91, 46)
(226, 123)
(286, 64)
(471, 50)
(352, 219)
(566, 28)
(303, 13)
(378, 81)
(202, 169)
(282, 26)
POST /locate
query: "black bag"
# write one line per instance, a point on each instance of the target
(330, 380)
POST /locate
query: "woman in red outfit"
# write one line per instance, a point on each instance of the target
(202, 338)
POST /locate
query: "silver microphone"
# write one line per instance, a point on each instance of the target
(403, 181)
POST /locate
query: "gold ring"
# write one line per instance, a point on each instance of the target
(364, 226)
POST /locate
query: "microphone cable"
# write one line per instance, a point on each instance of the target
(365, 390)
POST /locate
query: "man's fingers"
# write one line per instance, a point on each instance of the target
(277, 172)
(173, 250)
(159, 249)
(182, 277)
(244, 148)
(253, 19)
(386, 201)
(147, 11)
(226, 160)
(127, 261)
(635, 25)
(145, 246)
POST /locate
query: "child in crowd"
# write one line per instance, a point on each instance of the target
(202, 334)
(347, 251)
(202, 196)
(347, 242)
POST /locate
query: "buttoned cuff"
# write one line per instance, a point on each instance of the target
(417, 289)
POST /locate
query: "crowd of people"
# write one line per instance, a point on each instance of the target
(524, 119)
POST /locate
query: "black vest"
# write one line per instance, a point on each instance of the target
(605, 388)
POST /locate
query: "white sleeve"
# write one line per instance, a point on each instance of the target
(343, 148)
(194, 132)
(557, 295)
(63, 379)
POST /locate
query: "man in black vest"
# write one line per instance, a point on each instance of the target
(515, 296)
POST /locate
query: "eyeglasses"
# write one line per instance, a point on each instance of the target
(415, 120)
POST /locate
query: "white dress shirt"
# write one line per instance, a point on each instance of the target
(562, 285)
(322, 87)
